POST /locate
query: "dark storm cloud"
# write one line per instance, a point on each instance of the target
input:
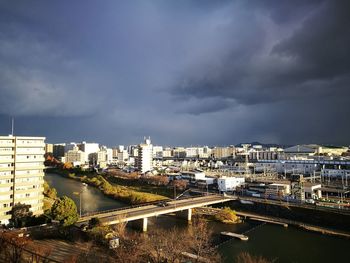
(322, 43)
(307, 61)
(114, 71)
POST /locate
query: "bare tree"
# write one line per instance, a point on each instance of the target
(132, 249)
(119, 228)
(13, 246)
(93, 253)
(174, 243)
(41, 254)
(180, 184)
(199, 241)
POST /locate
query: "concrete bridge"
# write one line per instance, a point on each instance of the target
(140, 214)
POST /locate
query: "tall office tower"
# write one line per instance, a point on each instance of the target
(21, 174)
(145, 156)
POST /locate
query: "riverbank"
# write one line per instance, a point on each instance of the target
(323, 219)
(50, 195)
(119, 193)
(140, 186)
(213, 212)
(286, 223)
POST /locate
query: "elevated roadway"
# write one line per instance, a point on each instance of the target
(182, 207)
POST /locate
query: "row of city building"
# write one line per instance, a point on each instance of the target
(297, 152)
(143, 154)
(80, 153)
(296, 188)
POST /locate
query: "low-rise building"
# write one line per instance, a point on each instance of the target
(75, 156)
(286, 168)
(223, 152)
(228, 184)
(179, 152)
(167, 152)
(271, 153)
(99, 158)
(298, 152)
(331, 150)
(312, 190)
(157, 151)
(48, 148)
(193, 176)
(278, 189)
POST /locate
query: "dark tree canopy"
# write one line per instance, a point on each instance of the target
(20, 214)
(65, 211)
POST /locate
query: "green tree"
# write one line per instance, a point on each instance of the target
(20, 214)
(65, 211)
(49, 192)
(227, 215)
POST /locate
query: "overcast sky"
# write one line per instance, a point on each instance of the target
(183, 72)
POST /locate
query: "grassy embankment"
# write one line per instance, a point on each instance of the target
(139, 186)
(50, 195)
(123, 193)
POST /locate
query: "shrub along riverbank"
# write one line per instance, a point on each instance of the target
(227, 216)
(117, 192)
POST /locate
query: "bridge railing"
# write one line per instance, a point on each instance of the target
(123, 208)
(90, 214)
(317, 206)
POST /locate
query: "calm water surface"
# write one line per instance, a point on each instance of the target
(91, 198)
(274, 242)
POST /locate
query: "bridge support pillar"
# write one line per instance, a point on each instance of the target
(186, 214)
(189, 214)
(144, 224)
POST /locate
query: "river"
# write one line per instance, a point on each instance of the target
(270, 241)
(91, 198)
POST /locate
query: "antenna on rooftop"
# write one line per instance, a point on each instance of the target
(12, 125)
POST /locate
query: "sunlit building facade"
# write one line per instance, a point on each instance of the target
(21, 174)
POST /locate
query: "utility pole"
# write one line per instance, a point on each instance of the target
(245, 147)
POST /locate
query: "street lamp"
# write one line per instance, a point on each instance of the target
(79, 193)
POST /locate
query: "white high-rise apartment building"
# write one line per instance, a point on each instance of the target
(89, 148)
(21, 174)
(144, 159)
